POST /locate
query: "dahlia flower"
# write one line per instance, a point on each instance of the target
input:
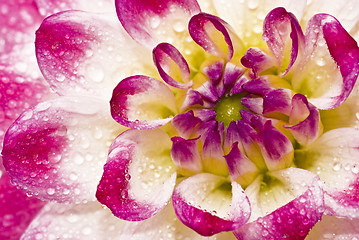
(242, 125)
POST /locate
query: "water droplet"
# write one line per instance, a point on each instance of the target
(155, 22)
(60, 77)
(179, 26)
(320, 61)
(50, 191)
(253, 4)
(86, 230)
(78, 158)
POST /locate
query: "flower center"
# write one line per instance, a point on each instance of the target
(228, 109)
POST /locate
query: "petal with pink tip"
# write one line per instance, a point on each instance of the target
(212, 150)
(246, 17)
(145, 21)
(18, 92)
(83, 53)
(276, 148)
(335, 229)
(277, 101)
(185, 123)
(142, 102)
(280, 25)
(172, 66)
(211, 34)
(185, 154)
(295, 218)
(331, 58)
(210, 204)
(334, 158)
(257, 60)
(74, 221)
(48, 7)
(18, 21)
(251, 149)
(17, 209)
(305, 119)
(165, 225)
(55, 150)
(241, 169)
(139, 175)
(345, 11)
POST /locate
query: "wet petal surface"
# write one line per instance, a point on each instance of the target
(55, 150)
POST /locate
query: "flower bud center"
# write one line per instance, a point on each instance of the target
(228, 109)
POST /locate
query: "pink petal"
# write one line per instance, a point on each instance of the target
(212, 150)
(276, 148)
(251, 149)
(241, 169)
(334, 157)
(55, 150)
(17, 210)
(18, 21)
(171, 66)
(210, 32)
(78, 56)
(145, 20)
(139, 175)
(185, 154)
(142, 102)
(335, 229)
(185, 124)
(246, 17)
(75, 222)
(277, 101)
(209, 204)
(18, 92)
(278, 26)
(331, 57)
(305, 119)
(294, 219)
(257, 60)
(164, 225)
(48, 7)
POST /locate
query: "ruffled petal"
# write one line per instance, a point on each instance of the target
(305, 119)
(142, 102)
(210, 32)
(82, 53)
(70, 221)
(257, 60)
(165, 225)
(335, 229)
(246, 17)
(171, 66)
(334, 157)
(285, 208)
(345, 11)
(55, 150)
(279, 26)
(152, 22)
(139, 175)
(209, 204)
(329, 69)
(48, 7)
(17, 209)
